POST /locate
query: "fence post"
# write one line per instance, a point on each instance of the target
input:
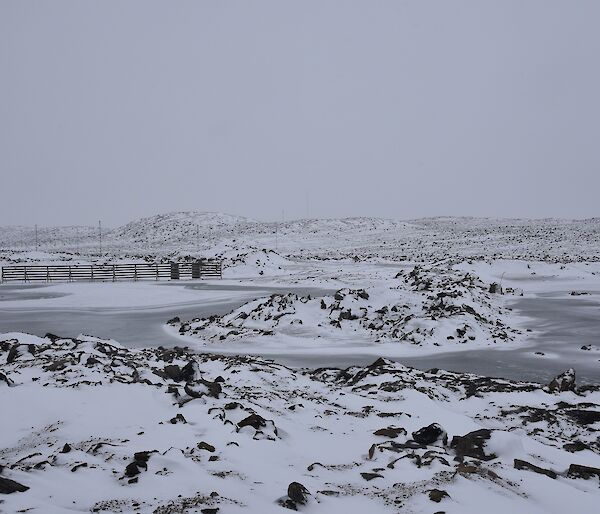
(174, 271)
(196, 269)
(114, 273)
(157, 271)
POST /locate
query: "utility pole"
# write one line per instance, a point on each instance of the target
(197, 238)
(276, 236)
(37, 246)
(307, 206)
(100, 235)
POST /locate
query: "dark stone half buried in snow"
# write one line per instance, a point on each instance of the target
(524, 465)
(202, 445)
(430, 434)
(472, 445)
(437, 495)
(370, 476)
(391, 432)
(179, 418)
(254, 420)
(585, 472)
(5, 379)
(8, 486)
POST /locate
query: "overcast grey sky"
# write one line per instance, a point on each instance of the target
(118, 109)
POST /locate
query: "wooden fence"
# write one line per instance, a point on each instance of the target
(113, 272)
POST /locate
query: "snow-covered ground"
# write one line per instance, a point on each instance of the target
(88, 425)
(517, 299)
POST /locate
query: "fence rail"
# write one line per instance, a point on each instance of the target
(112, 272)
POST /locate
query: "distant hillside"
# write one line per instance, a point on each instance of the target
(177, 227)
(236, 238)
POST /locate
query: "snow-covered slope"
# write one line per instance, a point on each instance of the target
(88, 425)
(214, 234)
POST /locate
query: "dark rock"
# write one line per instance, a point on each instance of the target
(524, 465)
(202, 445)
(297, 493)
(563, 382)
(585, 472)
(142, 457)
(390, 432)
(214, 389)
(174, 321)
(4, 378)
(91, 361)
(472, 445)
(495, 288)
(575, 446)
(132, 469)
(13, 353)
(140, 460)
(66, 448)
(339, 295)
(288, 504)
(57, 365)
(370, 476)
(584, 417)
(437, 495)
(361, 293)
(347, 315)
(254, 420)
(178, 419)
(323, 304)
(430, 434)
(173, 372)
(188, 372)
(52, 337)
(8, 486)
(212, 510)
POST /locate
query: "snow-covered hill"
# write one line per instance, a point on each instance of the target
(209, 234)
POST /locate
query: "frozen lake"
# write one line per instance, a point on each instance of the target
(136, 326)
(561, 325)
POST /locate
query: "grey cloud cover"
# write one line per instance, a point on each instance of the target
(115, 110)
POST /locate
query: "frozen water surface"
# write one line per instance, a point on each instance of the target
(561, 325)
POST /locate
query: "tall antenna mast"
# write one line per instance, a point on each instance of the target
(100, 235)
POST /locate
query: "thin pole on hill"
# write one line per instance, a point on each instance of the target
(197, 238)
(37, 246)
(100, 235)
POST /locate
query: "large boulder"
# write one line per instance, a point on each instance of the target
(563, 382)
